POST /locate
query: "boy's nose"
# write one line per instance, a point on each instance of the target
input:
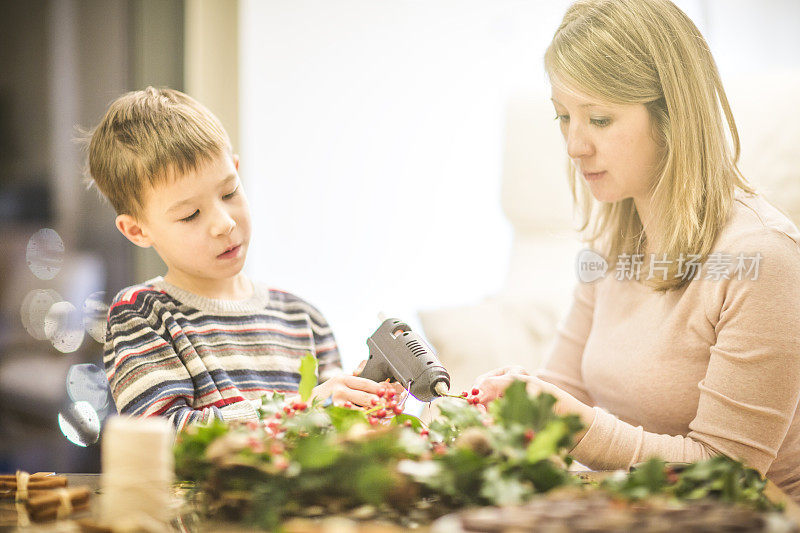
(223, 224)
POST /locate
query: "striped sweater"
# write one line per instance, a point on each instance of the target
(172, 353)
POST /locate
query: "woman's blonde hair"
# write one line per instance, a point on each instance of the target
(649, 52)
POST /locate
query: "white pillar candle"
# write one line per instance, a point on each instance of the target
(137, 471)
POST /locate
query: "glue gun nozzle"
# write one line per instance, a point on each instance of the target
(441, 388)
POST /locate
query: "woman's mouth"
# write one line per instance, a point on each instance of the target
(231, 253)
(593, 176)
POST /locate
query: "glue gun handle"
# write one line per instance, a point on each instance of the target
(375, 370)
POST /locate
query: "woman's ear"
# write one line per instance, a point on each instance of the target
(133, 231)
(236, 161)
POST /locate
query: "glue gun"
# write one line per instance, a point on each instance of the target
(399, 354)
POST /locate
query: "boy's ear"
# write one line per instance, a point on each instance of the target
(133, 231)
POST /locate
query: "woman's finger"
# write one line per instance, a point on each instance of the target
(493, 387)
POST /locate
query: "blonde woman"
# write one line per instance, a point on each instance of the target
(689, 347)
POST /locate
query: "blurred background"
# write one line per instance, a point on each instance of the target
(400, 153)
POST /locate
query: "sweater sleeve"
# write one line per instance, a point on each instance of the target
(562, 366)
(329, 362)
(751, 388)
(146, 375)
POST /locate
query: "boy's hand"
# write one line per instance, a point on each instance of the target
(353, 389)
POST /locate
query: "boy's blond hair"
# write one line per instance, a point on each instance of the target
(148, 137)
(649, 52)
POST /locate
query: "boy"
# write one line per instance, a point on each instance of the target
(203, 341)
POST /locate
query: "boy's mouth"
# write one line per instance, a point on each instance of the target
(231, 252)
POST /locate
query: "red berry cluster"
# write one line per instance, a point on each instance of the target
(386, 407)
(473, 398)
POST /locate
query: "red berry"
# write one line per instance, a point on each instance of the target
(300, 406)
(278, 416)
(373, 421)
(373, 402)
(349, 405)
(475, 392)
(439, 449)
(398, 410)
(424, 432)
(391, 394)
(380, 413)
(464, 394)
(529, 434)
(381, 393)
(407, 423)
(276, 448)
(287, 409)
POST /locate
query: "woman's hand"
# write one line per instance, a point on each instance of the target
(492, 384)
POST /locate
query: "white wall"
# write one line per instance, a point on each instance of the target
(371, 140)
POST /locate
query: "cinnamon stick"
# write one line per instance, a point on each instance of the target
(50, 482)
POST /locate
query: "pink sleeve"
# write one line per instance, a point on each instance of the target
(562, 366)
(750, 393)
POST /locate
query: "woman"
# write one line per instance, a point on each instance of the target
(689, 347)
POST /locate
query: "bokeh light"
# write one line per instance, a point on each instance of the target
(63, 325)
(45, 253)
(34, 309)
(79, 423)
(95, 312)
(87, 383)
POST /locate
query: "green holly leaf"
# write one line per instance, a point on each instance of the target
(400, 420)
(316, 451)
(343, 418)
(548, 441)
(372, 483)
(308, 376)
(518, 407)
(501, 489)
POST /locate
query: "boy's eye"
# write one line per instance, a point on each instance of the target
(191, 217)
(231, 194)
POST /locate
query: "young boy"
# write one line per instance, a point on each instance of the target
(203, 341)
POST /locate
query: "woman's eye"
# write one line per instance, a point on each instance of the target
(562, 118)
(601, 122)
(191, 217)
(231, 194)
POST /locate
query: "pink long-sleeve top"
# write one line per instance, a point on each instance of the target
(708, 369)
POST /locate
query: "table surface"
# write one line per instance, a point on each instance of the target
(92, 481)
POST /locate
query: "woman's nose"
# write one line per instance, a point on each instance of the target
(578, 144)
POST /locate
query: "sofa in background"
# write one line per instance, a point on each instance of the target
(516, 325)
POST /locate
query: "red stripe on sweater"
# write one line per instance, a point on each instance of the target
(124, 357)
(132, 298)
(223, 330)
(174, 398)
